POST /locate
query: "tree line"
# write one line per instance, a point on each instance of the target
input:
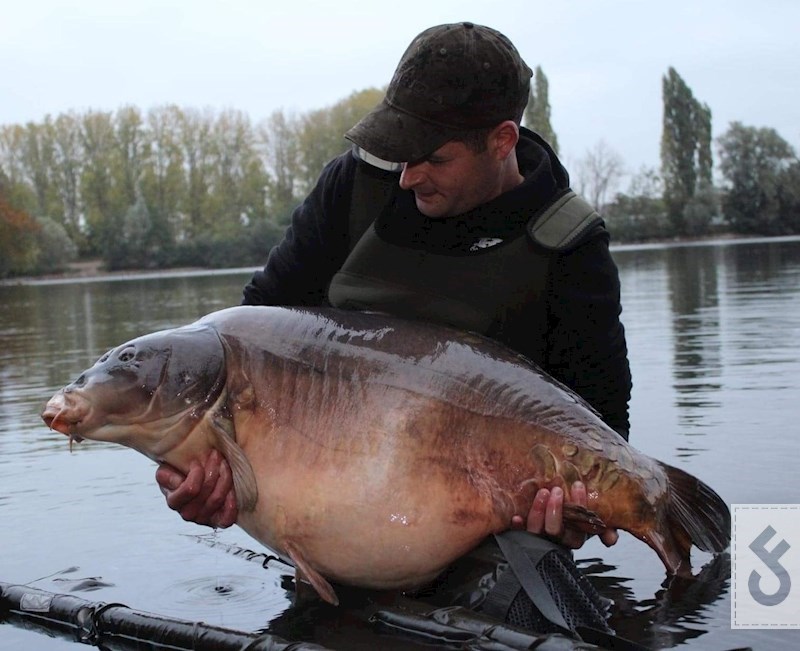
(757, 191)
(169, 187)
(184, 187)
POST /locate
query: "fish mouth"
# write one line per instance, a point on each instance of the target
(63, 414)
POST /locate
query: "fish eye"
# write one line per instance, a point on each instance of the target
(126, 355)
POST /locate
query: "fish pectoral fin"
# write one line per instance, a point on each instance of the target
(305, 571)
(586, 520)
(244, 478)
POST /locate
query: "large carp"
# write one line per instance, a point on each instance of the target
(374, 451)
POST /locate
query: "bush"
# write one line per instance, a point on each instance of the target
(55, 250)
(637, 219)
(248, 247)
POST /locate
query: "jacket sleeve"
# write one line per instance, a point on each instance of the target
(314, 246)
(586, 347)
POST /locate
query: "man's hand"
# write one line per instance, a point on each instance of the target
(205, 495)
(546, 517)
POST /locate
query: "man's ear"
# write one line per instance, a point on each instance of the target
(503, 139)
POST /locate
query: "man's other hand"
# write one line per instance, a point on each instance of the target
(205, 495)
(546, 518)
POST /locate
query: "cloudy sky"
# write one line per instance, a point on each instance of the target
(604, 59)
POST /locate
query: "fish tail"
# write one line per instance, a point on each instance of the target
(697, 509)
(695, 515)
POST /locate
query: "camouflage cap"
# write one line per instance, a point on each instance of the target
(451, 78)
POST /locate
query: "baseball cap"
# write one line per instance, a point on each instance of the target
(452, 78)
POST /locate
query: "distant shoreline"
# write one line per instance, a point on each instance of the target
(92, 270)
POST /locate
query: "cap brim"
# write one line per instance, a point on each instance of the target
(396, 136)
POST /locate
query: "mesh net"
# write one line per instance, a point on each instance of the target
(574, 595)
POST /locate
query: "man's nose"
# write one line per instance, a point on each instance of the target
(411, 176)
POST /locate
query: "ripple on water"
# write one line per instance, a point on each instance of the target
(240, 601)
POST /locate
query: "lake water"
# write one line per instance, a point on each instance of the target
(714, 338)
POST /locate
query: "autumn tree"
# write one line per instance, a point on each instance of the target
(18, 250)
(279, 144)
(321, 136)
(537, 112)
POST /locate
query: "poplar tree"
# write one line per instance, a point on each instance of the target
(685, 152)
(537, 112)
(704, 159)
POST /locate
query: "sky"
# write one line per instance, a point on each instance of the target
(604, 59)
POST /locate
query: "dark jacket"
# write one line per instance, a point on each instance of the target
(572, 331)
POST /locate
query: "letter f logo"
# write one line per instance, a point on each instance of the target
(770, 559)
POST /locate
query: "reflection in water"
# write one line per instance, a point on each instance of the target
(694, 295)
(676, 613)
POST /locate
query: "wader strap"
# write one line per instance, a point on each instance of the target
(524, 567)
(524, 552)
(564, 222)
(498, 600)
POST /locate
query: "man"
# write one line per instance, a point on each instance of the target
(479, 231)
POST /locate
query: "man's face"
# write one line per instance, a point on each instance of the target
(452, 180)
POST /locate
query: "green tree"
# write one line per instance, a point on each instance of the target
(236, 179)
(16, 187)
(757, 165)
(685, 150)
(704, 138)
(55, 249)
(28, 156)
(97, 180)
(162, 181)
(129, 249)
(195, 141)
(639, 215)
(537, 112)
(789, 197)
(130, 152)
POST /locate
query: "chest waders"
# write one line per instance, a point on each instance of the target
(537, 585)
(471, 291)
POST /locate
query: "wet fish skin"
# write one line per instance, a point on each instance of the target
(374, 451)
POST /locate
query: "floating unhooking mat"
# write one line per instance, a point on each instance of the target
(116, 627)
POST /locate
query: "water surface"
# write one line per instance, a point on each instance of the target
(714, 338)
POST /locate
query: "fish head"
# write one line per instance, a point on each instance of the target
(147, 393)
